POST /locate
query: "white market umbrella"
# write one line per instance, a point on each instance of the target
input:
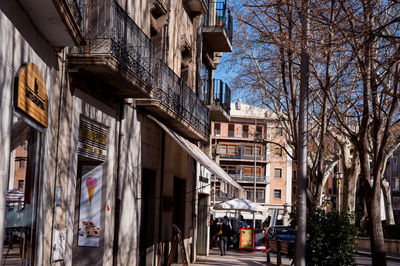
(239, 204)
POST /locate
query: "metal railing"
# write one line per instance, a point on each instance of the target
(242, 177)
(108, 29)
(219, 15)
(221, 94)
(76, 7)
(177, 95)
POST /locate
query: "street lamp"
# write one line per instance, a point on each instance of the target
(339, 177)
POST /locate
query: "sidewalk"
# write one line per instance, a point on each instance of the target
(236, 257)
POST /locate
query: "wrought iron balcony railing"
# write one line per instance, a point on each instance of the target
(221, 94)
(178, 96)
(219, 15)
(108, 29)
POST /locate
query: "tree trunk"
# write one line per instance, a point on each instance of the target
(388, 202)
(375, 229)
(350, 186)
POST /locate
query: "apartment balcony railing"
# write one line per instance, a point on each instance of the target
(110, 32)
(242, 157)
(219, 100)
(178, 96)
(222, 95)
(218, 27)
(247, 178)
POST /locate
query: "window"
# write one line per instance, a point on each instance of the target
(294, 175)
(278, 132)
(248, 150)
(278, 152)
(231, 149)
(258, 151)
(259, 131)
(217, 129)
(249, 171)
(278, 173)
(277, 193)
(223, 149)
(20, 184)
(294, 190)
(260, 194)
(231, 130)
(245, 131)
(21, 164)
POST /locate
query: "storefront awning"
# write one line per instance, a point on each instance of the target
(199, 155)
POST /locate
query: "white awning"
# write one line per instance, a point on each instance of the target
(199, 155)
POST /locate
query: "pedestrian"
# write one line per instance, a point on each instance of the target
(223, 240)
(213, 232)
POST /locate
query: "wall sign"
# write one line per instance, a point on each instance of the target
(31, 94)
(90, 208)
(92, 140)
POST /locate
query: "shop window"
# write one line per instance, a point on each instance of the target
(278, 132)
(217, 129)
(245, 131)
(277, 194)
(231, 130)
(21, 195)
(278, 173)
(278, 152)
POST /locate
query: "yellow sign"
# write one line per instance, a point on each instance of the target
(246, 238)
(32, 94)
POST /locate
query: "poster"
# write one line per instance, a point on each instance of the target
(246, 238)
(90, 207)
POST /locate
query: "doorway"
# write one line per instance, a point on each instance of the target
(147, 217)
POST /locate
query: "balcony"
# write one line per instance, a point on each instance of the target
(175, 102)
(219, 101)
(240, 155)
(57, 20)
(247, 178)
(218, 27)
(117, 52)
(196, 7)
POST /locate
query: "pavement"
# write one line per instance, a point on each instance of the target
(240, 257)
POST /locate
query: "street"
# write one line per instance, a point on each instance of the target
(234, 257)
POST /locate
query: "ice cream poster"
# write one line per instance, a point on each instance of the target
(90, 208)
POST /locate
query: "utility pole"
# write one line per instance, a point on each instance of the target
(301, 210)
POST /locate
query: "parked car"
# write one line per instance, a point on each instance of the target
(284, 233)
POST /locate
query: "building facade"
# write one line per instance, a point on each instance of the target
(109, 103)
(252, 145)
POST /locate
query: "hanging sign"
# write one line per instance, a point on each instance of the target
(92, 140)
(31, 94)
(90, 208)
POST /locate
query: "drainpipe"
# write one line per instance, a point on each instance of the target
(160, 208)
(57, 187)
(117, 181)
